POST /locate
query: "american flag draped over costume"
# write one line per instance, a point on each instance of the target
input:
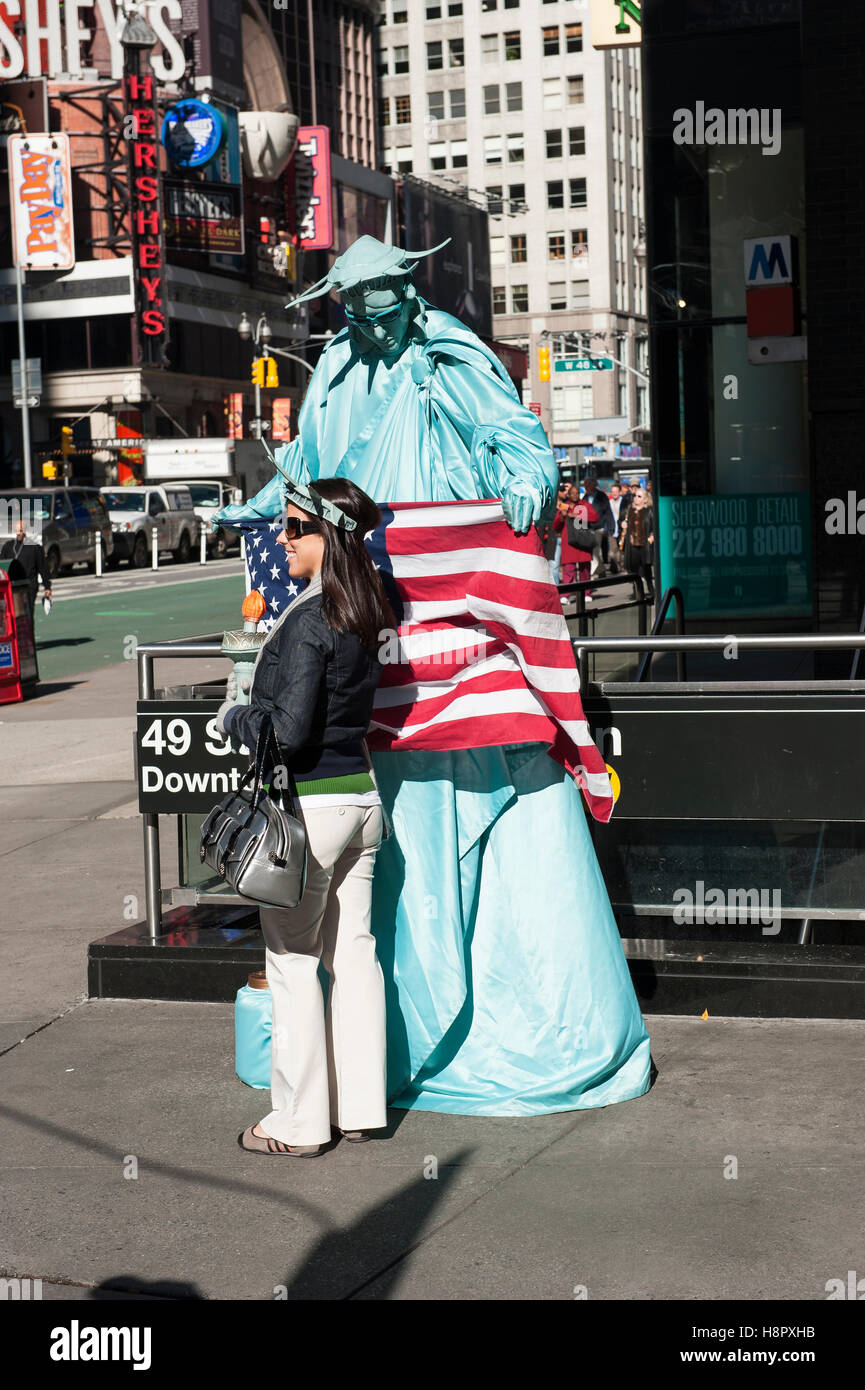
(482, 656)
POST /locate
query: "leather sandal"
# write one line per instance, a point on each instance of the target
(354, 1136)
(264, 1144)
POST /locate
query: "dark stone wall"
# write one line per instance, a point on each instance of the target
(833, 47)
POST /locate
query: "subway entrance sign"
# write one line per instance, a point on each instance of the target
(746, 555)
(583, 364)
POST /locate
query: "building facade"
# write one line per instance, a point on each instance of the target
(755, 289)
(139, 338)
(508, 101)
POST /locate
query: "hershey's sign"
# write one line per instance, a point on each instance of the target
(58, 34)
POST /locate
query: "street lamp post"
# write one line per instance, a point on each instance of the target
(261, 336)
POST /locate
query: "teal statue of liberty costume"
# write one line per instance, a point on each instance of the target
(508, 989)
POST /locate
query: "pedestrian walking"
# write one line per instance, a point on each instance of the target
(638, 538)
(316, 676)
(31, 557)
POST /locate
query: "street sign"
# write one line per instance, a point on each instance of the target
(34, 376)
(535, 408)
(583, 364)
(32, 402)
(184, 763)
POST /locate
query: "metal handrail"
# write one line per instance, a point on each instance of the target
(846, 641)
(209, 646)
(645, 665)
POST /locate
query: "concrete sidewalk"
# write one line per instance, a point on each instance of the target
(630, 1202)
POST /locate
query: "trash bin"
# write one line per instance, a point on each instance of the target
(19, 671)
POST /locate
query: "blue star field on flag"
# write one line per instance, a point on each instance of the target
(267, 567)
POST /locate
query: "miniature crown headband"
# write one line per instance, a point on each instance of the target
(310, 501)
(367, 259)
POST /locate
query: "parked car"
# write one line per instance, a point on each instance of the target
(210, 495)
(134, 511)
(65, 520)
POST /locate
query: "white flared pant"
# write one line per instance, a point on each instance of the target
(328, 1066)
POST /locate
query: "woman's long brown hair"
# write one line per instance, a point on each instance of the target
(353, 598)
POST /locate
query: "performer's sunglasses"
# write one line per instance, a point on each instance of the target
(294, 527)
(384, 316)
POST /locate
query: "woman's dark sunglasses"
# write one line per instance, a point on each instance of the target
(294, 527)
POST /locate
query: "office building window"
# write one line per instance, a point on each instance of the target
(489, 48)
(403, 110)
(558, 294)
(436, 105)
(551, 41)
(511, 5)
(434, 58)
(459, 154)
(556, 246)
(400, 59)
(580, 242)
(518, 249)
(492, 149)
(513, 46)
(438, 154)
(495, 202)
(497, 251)
(456, 53)
(458, 103)
(580, 294)
(384, 108)
(383, 67)
(404, 164)
(455, 10)
(555, 194)
(519, 299)
(573, 38)
(575, 91)
(500, 299)
(552, 94)
(577, 140)
(487, 5)
(433, 11)
(578, 192)
(514, 96)
(516, 152)
(492, 104)
(517, 198)
(400, 16)
(554, 143)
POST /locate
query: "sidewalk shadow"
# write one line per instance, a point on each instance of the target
(53, 688)
(42, 646)
(397, 1218)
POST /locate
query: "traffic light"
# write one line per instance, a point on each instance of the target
(272, 374)
(544, 363)
(258, 369)
(66, 445)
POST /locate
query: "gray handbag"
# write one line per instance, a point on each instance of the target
(254, 842)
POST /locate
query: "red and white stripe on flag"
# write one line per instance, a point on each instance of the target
(482, 656)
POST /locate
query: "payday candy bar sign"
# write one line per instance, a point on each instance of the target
(40, 186)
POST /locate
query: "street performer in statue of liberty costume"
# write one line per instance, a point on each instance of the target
(508, 989)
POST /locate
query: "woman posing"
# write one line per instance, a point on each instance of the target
(638, 537)
(316, 676)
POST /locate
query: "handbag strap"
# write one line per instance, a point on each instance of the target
(266, 737)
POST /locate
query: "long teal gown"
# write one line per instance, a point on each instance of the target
(508, 989)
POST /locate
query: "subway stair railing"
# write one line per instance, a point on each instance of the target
(737, 844)
(735, 858)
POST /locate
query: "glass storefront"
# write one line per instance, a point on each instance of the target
(726, 170)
